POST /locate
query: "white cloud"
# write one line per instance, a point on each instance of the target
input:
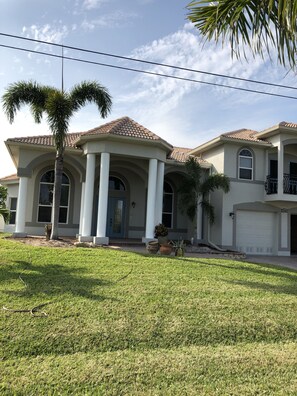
(115, 19)
(47, 32)
(91, 4)
(161, 103)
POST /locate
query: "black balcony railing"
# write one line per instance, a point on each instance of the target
(289, 184)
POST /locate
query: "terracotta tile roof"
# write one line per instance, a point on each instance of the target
(181, 154)
(124, 126)
(243, 134)
(288, 124)
(9, 178)
(46, 140)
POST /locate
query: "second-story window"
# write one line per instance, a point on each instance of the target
(245, 168)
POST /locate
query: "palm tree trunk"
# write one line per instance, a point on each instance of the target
(57, 193)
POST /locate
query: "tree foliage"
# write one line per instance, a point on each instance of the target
(3, 209)
(59, 107)
(195, 189)
(259, 25)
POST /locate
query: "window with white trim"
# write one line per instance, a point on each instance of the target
(245, 165)
(45, 203)
(12, 210)
(167, 215)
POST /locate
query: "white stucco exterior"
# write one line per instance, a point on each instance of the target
(116, 175)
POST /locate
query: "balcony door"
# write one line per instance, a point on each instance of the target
(293, 178)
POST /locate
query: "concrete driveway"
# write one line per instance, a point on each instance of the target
(288, 262)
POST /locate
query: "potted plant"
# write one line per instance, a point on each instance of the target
(161, 232)
(179, 247)
(152, 247)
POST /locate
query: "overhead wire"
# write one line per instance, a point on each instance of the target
(145, 71)
(128, 58)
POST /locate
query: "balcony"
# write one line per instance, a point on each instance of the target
(289, 184)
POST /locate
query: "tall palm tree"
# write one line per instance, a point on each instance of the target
(4, 212)
(195, 188)
(59, 107)
(256, 24)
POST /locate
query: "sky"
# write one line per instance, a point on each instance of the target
(185, 114)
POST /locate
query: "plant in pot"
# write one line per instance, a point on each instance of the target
(161, 232)
(179, 247)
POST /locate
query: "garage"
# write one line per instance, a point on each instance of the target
(255, 232)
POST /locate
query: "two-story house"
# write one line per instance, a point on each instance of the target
(121, 179)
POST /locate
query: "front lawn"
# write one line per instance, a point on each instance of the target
(122, 323)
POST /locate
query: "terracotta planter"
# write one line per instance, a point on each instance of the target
(165, 249)
(152, 247)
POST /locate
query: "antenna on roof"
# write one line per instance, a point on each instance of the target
(62, 48)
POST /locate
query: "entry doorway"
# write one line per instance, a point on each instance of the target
(294, 234)
(116, 214)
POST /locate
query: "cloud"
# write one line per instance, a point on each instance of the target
(92, 4)
(115, 19)
(47, 32)
(168, 102)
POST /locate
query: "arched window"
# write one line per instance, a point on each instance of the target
(46, 189)
(116, 184)
(167, 215)
(245, 168)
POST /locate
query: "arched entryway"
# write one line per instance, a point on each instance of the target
(117, 208)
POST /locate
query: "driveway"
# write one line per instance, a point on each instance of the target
(288, 262)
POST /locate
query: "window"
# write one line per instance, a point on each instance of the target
(116, 184)
(12, 209)
(46, 189)
(245, 164)
(167, 215)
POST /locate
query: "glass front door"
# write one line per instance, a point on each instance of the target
(116, 217)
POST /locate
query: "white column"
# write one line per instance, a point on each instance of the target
(199, 219)
(82, 199)
(88, 198)
(103, 200)
(21, 208)
(159, 193)
(280, 168)
(151, 199)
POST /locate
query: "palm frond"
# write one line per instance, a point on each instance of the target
(22, 93)
(91, 92)
(260, 25)
(215, 182)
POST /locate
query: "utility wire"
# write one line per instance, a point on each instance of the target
(148, 72)
(148, 62)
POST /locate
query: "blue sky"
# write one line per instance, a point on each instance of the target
(185, 114)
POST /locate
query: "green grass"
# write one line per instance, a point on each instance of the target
(121, 323)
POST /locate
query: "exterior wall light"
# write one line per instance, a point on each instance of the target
(133, 204)
(231, 214)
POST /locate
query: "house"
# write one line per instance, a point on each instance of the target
(120, 180)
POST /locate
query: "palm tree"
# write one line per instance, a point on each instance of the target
(258, 25)
(4, 212)
(59, 107)
(195, 188)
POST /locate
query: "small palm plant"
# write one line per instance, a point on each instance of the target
(4, 212)
(195, 188)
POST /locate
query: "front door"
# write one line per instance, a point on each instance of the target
(294, 234)
(116, 217)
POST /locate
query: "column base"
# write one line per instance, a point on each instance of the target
(284, 253)
(146, 240)
(19, 235)
(85, 238)
(101, 241)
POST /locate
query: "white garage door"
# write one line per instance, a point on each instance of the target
(255, 232)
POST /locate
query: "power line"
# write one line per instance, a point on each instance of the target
(149, 62)
(149, 72)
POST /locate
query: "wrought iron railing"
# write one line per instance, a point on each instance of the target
(289, 184)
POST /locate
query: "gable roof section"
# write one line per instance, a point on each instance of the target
(241, 135)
